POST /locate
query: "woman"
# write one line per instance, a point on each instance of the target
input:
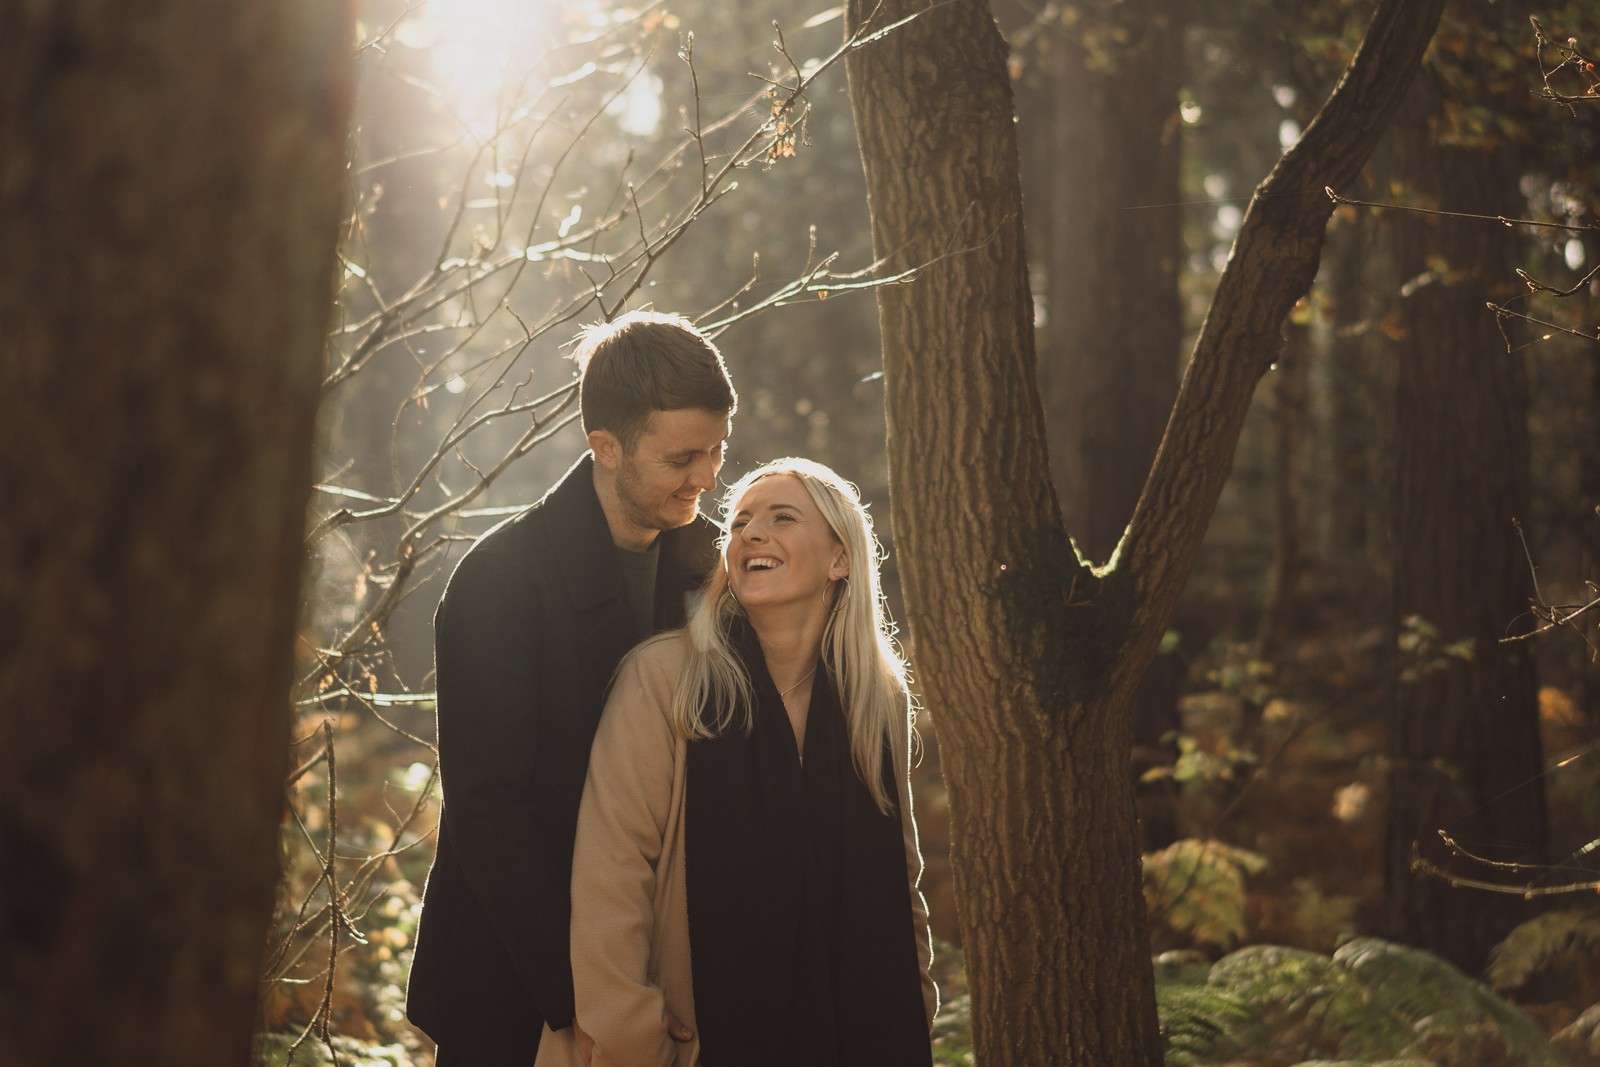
(746, 857)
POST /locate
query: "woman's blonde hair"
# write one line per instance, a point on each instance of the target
(714, 692)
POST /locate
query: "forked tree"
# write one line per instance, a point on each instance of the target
(1026, 655)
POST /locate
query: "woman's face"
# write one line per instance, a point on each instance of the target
(780, 549)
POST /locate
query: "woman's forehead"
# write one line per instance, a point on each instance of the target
(769, 490)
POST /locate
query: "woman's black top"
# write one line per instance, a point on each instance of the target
(802, 944)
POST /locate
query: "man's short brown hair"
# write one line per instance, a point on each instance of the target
(643, 362)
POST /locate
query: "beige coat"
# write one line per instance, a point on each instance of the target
(630, 914)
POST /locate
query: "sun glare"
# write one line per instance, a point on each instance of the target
(638, 109)
(486, 55)
(491, 60)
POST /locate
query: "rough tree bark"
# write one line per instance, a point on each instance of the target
(1464, 740)
(1026, 657)
(170, 182)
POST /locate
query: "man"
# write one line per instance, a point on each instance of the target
(531, 627)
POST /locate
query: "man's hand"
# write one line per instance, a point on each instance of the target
(585, 1043)
(675, 1030)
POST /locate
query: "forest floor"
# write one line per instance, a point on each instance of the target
(1274, 775)
(1267, 795)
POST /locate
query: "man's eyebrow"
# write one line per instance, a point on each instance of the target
(685, 453)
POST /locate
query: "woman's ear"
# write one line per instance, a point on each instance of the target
(840, 567)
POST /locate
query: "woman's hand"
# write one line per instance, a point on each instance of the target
(675, 1030)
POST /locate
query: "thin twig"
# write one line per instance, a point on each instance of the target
(1502, 220)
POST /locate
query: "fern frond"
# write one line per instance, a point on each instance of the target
(1453, 1018)
(1372, 1004)
(1580, 1040)
(1197, 887)
(1202, 1025)
(1181, 967)
(1534, 943)
(1312, 1005)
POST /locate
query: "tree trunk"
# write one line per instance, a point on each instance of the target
(1027, 657)
(1046, 864)
(1589, 502)
(1109, 368)
(1288, 438)
(1465, 739)
(170, 181)
(1354, 397)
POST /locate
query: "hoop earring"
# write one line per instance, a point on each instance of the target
(738, 608)
(838, 597)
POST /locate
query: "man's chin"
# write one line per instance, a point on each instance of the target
(681, 515)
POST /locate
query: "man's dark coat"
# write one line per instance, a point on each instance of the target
(531, 627)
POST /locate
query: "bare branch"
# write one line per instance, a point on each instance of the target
(1527, 891)
(1568, 57)
(1588, 227)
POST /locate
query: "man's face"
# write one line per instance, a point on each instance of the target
(675, 459)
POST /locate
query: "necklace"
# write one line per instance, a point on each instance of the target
(798, 684)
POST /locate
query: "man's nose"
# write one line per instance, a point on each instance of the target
(703, 474)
